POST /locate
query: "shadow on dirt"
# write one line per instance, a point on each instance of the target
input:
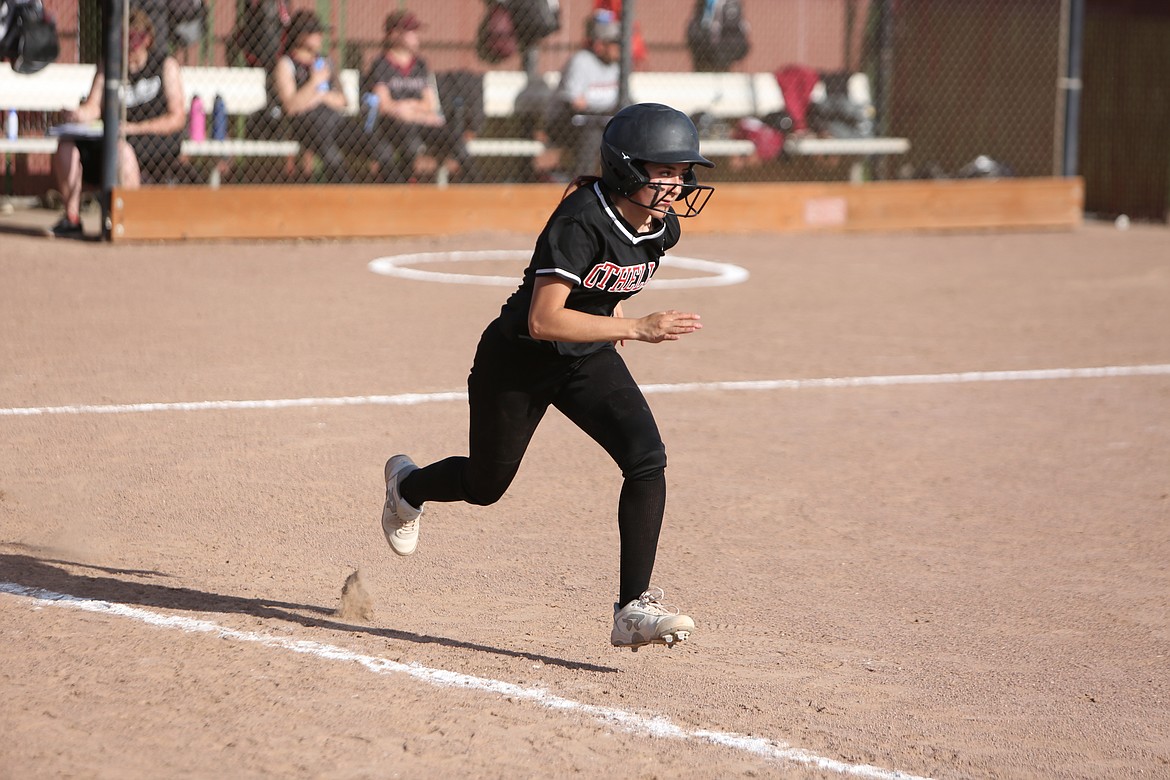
(49, 574)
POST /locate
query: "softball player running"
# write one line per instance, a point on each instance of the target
(553, 344)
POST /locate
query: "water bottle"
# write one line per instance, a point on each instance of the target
(197, 129)
(371, 101)
(11, 124)
(219, 119)
(322, 63)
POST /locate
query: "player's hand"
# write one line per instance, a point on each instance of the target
(666, 326)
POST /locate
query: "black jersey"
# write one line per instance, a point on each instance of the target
(409, 84)
(589, 244)
(301, 75)
(145, 93)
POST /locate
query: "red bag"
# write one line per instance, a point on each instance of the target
(767, 139)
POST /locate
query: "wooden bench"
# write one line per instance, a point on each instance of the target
(723, 96)
(244, 90)
(62, 87)
(502, 88)
(231, 147)
(857, 88)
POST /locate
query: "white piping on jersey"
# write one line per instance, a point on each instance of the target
(633, 237)
(559, 272)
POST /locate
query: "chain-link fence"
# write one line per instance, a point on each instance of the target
(517, 90)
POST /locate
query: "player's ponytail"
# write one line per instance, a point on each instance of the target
(584, 180)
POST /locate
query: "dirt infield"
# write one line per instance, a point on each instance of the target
(954, 566)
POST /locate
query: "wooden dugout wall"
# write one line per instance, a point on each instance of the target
(368, 211)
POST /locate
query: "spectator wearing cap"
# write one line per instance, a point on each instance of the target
(584, 99)
(411, 137)
(309, 96)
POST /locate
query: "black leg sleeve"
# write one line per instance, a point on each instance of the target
(640, 511)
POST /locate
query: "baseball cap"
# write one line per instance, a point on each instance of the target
(606, 30)
(402, 20)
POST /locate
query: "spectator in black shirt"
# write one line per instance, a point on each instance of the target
(309, 94)
(411, 136)
(156, 114)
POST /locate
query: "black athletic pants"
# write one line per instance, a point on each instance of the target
(396, 144)
(510, 387)
(320, 129)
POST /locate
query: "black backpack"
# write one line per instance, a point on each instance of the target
(534, 20)
(837, 116)
(28, 36)
(461, 96)
(718, 42)
(188, 20)
(258, 37)
(495, 38)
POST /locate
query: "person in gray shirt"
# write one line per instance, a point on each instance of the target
(585, 98)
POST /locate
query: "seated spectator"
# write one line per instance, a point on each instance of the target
(309, 96)
(585, 98)
(638, 52)
(411, 136)
(156, 115)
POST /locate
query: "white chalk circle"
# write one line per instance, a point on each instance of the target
(402, 266)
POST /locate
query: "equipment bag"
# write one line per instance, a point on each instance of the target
(28, 36)
(258, 37)
(837, 116)
(717, 35)
(534, 20)
(495, 40)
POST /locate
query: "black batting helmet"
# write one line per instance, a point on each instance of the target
(652, 133)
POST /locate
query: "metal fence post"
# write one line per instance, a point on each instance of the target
(1072, 87)
(111, 108)
(627, 64)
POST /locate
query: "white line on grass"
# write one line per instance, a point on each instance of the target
(650, 725)
(410, 399)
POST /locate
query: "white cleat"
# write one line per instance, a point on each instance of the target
(646, 621)
(399, 519)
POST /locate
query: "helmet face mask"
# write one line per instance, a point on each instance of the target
(649, 133)
(689, 193)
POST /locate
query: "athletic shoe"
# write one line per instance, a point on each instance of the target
(645, 621)
(399, 519)
(66, 229)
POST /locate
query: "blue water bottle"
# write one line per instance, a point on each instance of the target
(371, 101)
(321, 64)
(219, 119)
